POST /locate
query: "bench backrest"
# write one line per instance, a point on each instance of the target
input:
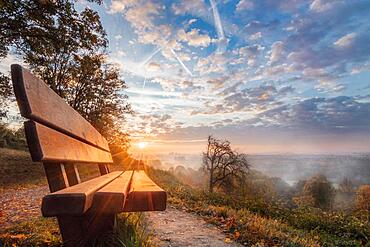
(56, 134)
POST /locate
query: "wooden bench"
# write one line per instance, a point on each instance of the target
(60, 138)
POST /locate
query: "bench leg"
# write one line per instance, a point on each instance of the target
(82, 230)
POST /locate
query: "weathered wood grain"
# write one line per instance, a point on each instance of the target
(38, 102)
(144, 194)
(77, 199)
(49, 145)
(111, 198)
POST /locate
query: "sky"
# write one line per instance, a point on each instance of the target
(271, 76)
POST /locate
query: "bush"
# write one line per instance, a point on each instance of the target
(318, 192)
(363, 197)
(14, 139)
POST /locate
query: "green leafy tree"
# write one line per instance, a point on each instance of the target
(222, 164)
(5, 93)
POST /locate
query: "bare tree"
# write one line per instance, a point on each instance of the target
(222, 163)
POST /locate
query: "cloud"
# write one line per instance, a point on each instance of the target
(346, 41)
(257, 98)
(217, 83)
(322, 5)
(276, 51)
(255, 36)
(194, 38)
(120, 5)
(190, 6)
(215, 63)
(191, 21)
(244, 5)
(118, 37)
(141, 16)
(152, 66)
(338, 114)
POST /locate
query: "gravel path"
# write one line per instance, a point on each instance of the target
(181, 229)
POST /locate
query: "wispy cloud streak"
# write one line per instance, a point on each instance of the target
(150, 56)
(182, 64)
(219, 28)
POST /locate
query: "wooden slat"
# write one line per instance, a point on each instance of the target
(144, 194)
(38, 102)
(49, 145)
(77, 199)
(111, 198)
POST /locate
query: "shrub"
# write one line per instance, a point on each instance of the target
(319, 192)
(363, 197)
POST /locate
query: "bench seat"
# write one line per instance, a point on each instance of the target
(75, 200)
(115, 192)
(145, 195)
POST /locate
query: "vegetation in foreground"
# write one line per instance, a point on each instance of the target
(258, 222)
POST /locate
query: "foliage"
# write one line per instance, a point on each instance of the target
(223, 164)
(12, 138)
(5, 93)
(318, 192)
(363, 197)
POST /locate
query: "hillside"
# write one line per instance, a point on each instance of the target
(249, 221)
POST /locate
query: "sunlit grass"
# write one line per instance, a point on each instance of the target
(131, 230)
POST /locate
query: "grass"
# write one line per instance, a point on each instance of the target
(131, 230)
(35, 232)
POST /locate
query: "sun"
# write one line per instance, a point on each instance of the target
(142, 145)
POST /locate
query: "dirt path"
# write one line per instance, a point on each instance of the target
(181, 229)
